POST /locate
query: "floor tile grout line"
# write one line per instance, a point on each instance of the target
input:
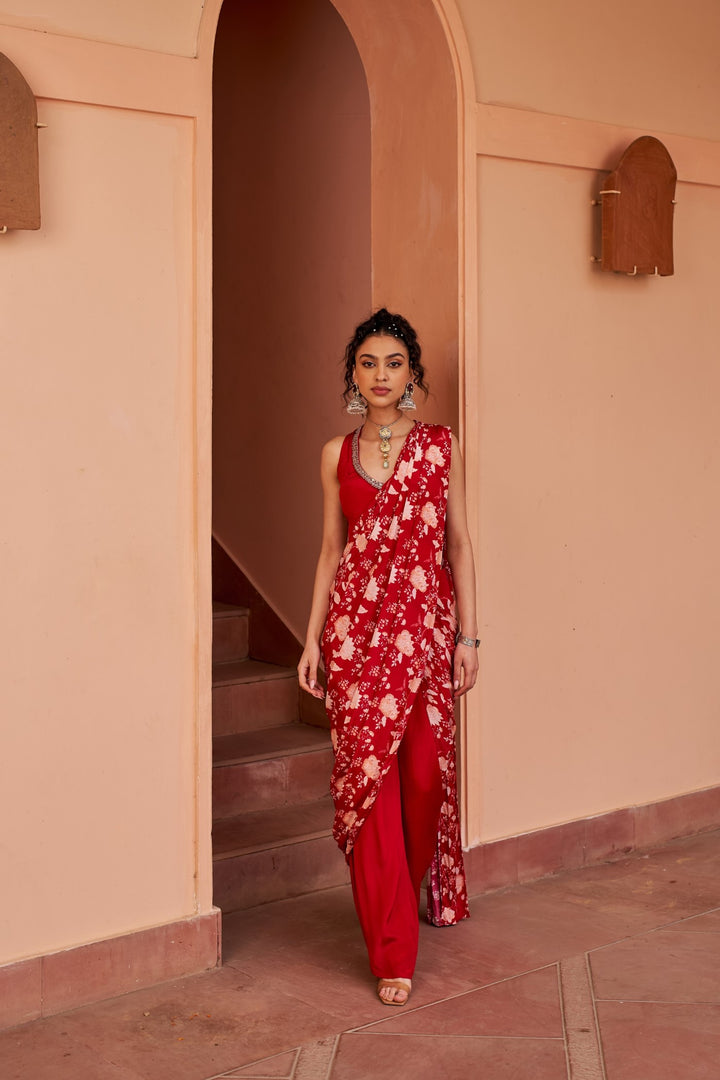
(641, 933)
(695, 933)
(687, 918)
(654, 1001)
(452, 997)
(562, 1020)
(667, 928)
(438, 1035)
(251, 1076)
(295, 1064)
(593, 998)
(331, 1063)
(687, 933)
(226, 1074)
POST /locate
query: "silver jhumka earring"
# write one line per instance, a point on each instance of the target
(406, 402)
(357, 405)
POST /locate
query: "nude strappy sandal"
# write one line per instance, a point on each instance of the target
(394, 984)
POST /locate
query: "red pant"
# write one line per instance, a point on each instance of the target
(394, 849)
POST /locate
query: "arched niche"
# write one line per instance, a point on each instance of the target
(19, 169)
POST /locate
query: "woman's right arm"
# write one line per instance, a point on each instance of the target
(333, 543)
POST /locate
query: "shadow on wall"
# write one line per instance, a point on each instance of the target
(291, 277)
(270, 640)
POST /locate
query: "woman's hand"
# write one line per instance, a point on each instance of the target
(308, 669)
(465, 669)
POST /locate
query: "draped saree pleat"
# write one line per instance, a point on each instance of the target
(388, 645)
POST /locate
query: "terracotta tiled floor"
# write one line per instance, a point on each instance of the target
(607, 973)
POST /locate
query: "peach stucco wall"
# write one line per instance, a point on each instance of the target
(166, 26)
(593, 446)
(98, 650)
(644, 63)
(600, 456)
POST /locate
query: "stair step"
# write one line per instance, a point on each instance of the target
(231, 631)
(268, 743)
(276, 854)
(222, 610)
(269, 769)
(232, 672)
(267, 829)
(250, 694)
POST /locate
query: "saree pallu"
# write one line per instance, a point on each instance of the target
(389, 637)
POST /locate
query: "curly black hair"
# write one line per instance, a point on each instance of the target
(384, 322)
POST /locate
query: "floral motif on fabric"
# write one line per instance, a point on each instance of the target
(389, 638)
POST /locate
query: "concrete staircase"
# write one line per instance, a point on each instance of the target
(272, 814)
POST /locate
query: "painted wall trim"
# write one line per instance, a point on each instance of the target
(97, 73)
(516, 859)
(468, 366)
(59, 981)
(521, 135)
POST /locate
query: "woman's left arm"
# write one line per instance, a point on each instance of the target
(460, 558)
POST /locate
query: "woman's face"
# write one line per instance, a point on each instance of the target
(382, 369)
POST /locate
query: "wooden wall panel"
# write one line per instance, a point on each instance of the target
(19, 171)
(638, 200)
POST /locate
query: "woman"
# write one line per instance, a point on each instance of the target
(393, 614)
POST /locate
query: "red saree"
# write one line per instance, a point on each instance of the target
(389, 637)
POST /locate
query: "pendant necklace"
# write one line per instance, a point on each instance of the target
(385, 435)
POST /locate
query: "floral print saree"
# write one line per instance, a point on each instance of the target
(389, 638)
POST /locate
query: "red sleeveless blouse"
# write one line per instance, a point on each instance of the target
(357, 492)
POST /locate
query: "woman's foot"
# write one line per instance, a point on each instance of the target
(394, 991)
